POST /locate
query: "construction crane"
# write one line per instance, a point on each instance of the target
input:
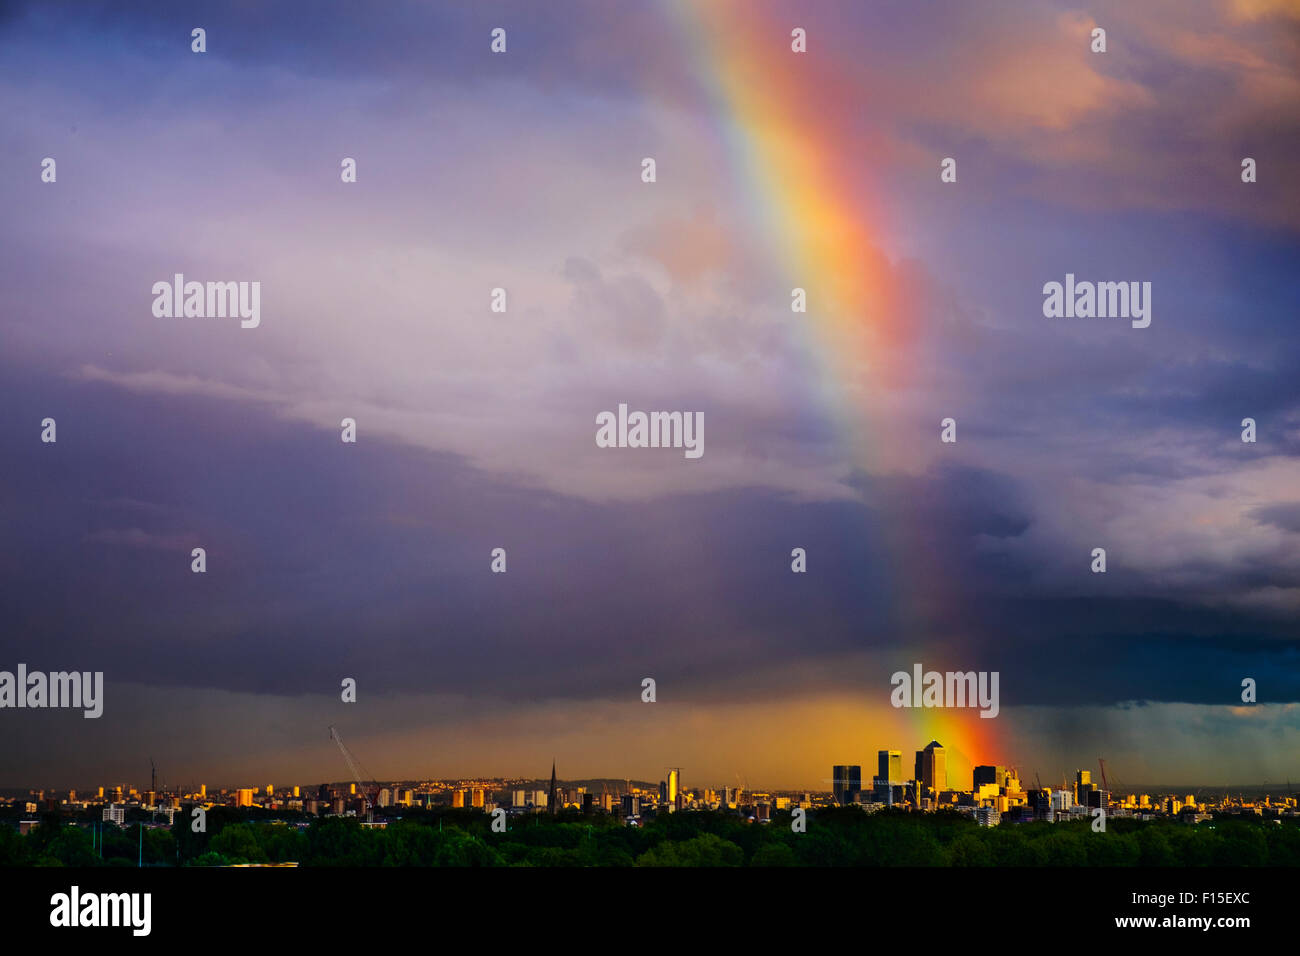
(1102, 764)
(369, 792)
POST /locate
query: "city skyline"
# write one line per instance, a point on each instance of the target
(823, 785)
(994, 787)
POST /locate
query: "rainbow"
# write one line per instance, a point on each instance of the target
(810, 198)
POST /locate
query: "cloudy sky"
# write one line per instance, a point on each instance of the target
(476, 429)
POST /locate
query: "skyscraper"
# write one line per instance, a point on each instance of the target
(675, 789)
(1082, 787)
(933, 766)
(987, 774)
(889, 765)
(846, 781)
(550, 796)
(889, 775)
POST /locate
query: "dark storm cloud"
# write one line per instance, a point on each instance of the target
(1164, 402)
(407, 44)
(324, 563)
(1285, 516)
(1067, 652)
(371, 561)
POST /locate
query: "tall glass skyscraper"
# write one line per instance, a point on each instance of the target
(846, 781)
(889, 765)
(933, 766)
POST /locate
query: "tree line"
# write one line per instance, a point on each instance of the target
(833, 837)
